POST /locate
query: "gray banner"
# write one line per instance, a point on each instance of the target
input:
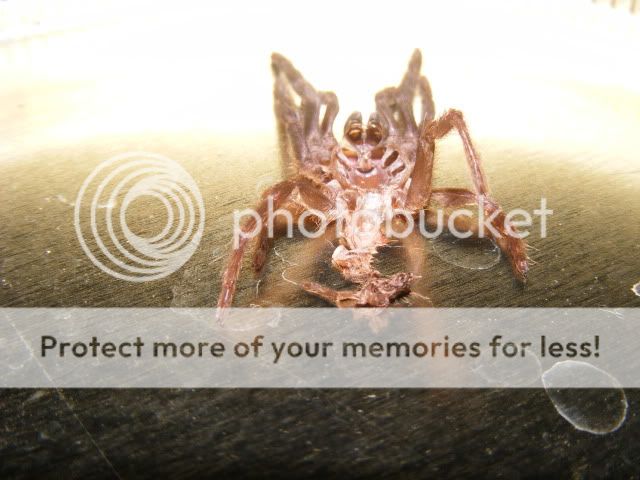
(422, 348)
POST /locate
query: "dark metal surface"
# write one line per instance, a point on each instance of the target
(177, 433)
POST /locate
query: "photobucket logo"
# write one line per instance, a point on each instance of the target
(100, 216)
(396, 223)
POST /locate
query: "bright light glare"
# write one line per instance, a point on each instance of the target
(546, 72)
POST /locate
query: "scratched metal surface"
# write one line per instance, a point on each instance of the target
(73, 100)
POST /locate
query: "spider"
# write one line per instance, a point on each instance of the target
(382, 164)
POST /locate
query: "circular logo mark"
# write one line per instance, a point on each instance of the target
(110, 190)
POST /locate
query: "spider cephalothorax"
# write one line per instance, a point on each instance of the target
(377, 167)
(364, 159)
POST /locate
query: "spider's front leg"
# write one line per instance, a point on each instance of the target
(421, 192)
(307, 195)
(395, 104)
(512, 246)
(307, 131)
(278, 194)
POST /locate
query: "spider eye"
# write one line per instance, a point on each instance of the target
(355, 134)
(377, 129)
(374, 135)
(353, 128)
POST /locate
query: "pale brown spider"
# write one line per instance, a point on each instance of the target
(387, 162)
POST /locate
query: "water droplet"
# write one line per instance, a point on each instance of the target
(636, 289)
(597, 410)
(500, 370)
(469, 253)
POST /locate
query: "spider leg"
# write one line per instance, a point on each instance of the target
(309, 130)
(386, 106)
(453, 119)
(307, 195)
(279, 194)
(428, 105)
(330, 101)
(421, 177)
(310, 99)
(420, 190)
(396, 103)
(289, 123)
(514, 248)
